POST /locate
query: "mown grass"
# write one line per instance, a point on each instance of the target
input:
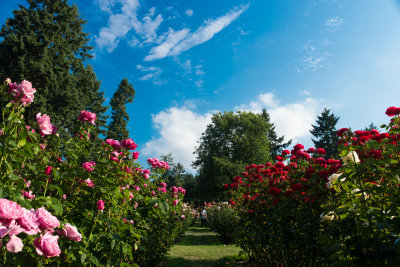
(201, 247)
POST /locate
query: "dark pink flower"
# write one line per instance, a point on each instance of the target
(128, 144)
(100, 205)
(87, 116)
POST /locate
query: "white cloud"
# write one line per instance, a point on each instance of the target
(313, 59)
(199, 71)
(189, 12)
(151, 74)
(172, 39)
(292, 120)
(179, 130)
(334, 22)
(121, 23)
(177, 43)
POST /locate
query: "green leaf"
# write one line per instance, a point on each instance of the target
(94, 260)
(13, 177)
(112, 244)
(28, 149)
(83, 257)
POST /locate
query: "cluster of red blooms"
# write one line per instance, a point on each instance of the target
(304, 178)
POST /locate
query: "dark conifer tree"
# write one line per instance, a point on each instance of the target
(276, 144)
(119, 118)
(325, 133)
(44, 43)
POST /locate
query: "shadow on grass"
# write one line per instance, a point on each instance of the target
(225, 261)
(199, 240)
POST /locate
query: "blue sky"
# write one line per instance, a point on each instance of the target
(189, 59)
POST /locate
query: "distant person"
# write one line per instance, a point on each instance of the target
(203, 217)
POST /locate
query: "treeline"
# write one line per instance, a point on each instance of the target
(234, 140)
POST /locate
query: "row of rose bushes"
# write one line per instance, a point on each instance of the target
(306, 210)
(59, 206)
(222, 219)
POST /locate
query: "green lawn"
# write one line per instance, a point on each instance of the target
(201, 247)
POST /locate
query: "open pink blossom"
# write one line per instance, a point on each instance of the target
(89, 166)
(10, 210)
(87, 116)
(114, 143)
(23, 92)
(89, 182)
(14, 245)
(135, 155)
(45, 127)
(46, 220)
(29, 222)
(27, 194)
(128, 144)
(70, 232)
(47, 245)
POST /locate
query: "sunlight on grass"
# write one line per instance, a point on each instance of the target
(201, 247)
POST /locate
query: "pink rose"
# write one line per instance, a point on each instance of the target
(100, 205)
(89, 182)
(175, 202)
(10, 210)
(15, 244)
(28, 194)
(174, 189)
(47, 245)
(87, 116)
(89, 166)
(23, 92)
(71, 233)
(46, 220)
(29, 222)
(128, 144)
(135, 155)
(45, 127)
(114, 143)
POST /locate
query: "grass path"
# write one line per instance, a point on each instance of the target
(201, 247)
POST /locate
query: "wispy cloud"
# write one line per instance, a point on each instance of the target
(124, 20)
(189, 12)
(334, 22)
(313, 59)
(151, 74)
(183, 40)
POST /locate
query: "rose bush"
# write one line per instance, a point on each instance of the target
(308, 210)
(107, 208)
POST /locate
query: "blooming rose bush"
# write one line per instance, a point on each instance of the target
(79, 208)
(306, 210)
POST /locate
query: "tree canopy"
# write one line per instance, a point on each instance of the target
(44, 43)
(119, 118)
(229, 143)
(325, 133)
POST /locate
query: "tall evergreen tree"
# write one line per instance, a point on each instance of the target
(276, 143)
(325, 133)
(44, 43)
(119, 118)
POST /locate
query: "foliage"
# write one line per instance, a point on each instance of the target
(119, 118)
(125, 215)
(317, 211)
(231, 141)
(221, 217)
(45, 44)
(325, 133)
